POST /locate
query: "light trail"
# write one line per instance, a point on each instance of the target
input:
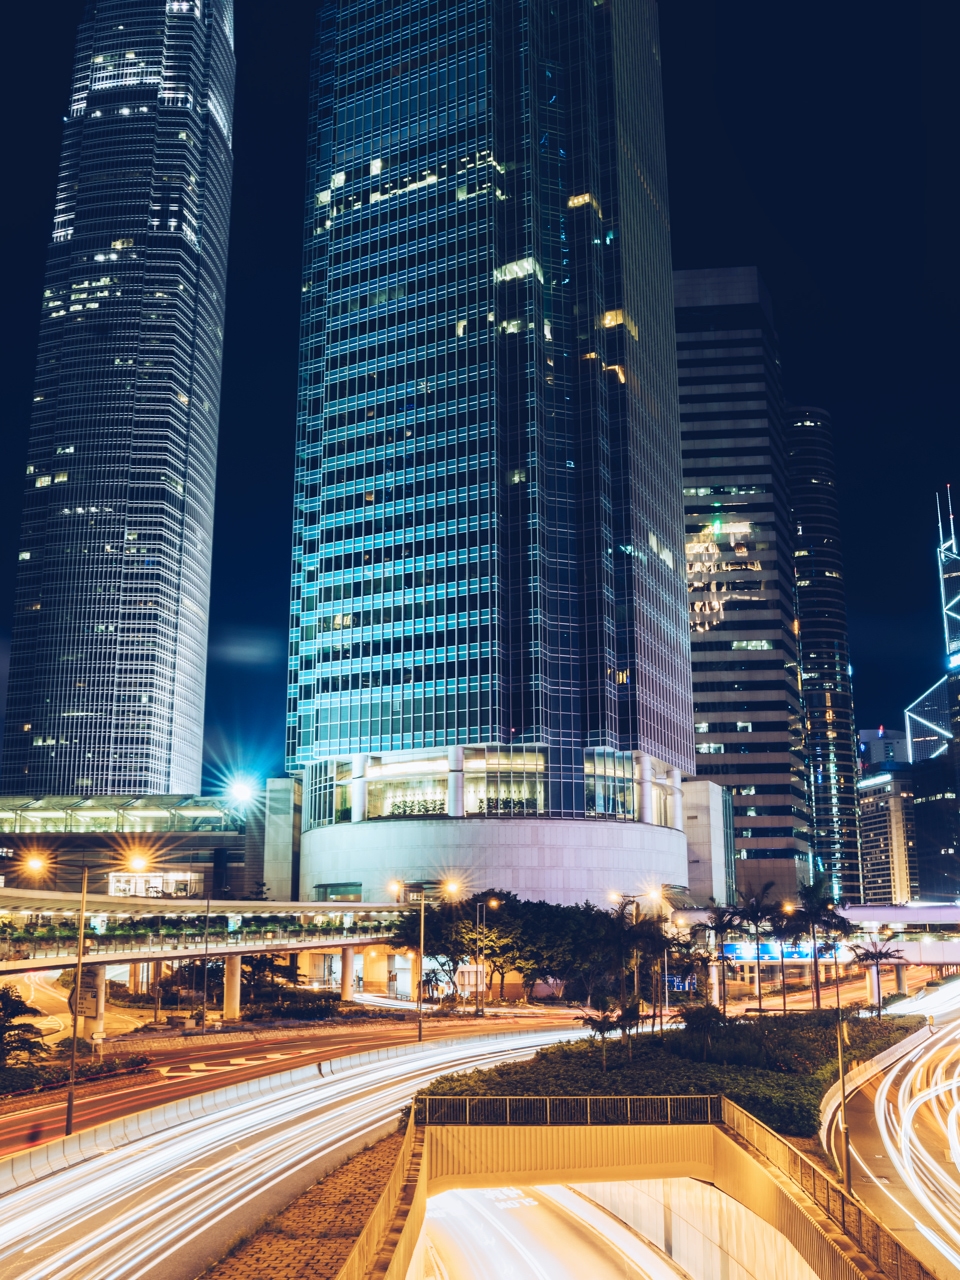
(534, 1233)
(917, 1110)
(169, 1205)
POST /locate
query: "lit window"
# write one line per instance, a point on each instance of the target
(744, 726)
(518, 476)
(575, 202)
(60, 477)
(751, 644)
(701, 727)
(24, 555)
(42, 482)
(376, 167)
(710, 748)
(610, 319)
(338, 179)
(121, 244)
(518, 270)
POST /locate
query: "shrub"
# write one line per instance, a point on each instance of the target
(778, 1069)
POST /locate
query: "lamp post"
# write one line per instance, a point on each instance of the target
(206, 953)
(844, 1131)
(37, 865)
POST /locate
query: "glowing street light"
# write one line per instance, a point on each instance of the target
(241, 791)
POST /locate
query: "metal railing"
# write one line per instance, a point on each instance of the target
(171, 944)
(367, 1245)
(654, 1109)
(854, 1219)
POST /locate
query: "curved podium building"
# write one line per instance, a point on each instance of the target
(490, 657)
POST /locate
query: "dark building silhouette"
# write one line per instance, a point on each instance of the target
(109, 643)
(488, 600)
(739, 544)
(830, 731)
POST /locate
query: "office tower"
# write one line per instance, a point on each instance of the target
(888, 839)
(881, 749)
(932, 725)
(829, 730)
(110, 633)
(488, 628)
(739, 543)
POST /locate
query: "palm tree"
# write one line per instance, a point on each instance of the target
(784, 927)
(601, 1025)
(722, 920)
(877, 953)
(756, 912)
(819, 912)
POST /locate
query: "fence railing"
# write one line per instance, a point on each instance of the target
(166, 945)
(655, 1109)
(854, 1220)
(366, 1246)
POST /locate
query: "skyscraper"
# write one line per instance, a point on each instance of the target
(110, 633)
(747, 708)
(488, 632)
(830, 732)
(932, 725)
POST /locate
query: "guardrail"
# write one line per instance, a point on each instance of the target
(853, 1219)
(155, 946)
(368, 1244)
(649, 1109)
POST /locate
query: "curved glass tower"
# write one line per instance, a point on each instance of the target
(831, 734)
(488, 632)
(110, 634)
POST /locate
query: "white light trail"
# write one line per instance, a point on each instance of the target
(144, 1209)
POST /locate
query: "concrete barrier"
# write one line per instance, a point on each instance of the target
(859, 1076)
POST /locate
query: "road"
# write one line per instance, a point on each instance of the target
(534, 1233)
(905, 1140)
(42, 990)
(207, 1064)
(167, 1206)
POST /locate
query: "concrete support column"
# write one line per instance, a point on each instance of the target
(646, 789)
(93, 1026)
(676, 800)
(231, 989)
(358, 790)
(873, 988)
(455, 782)
(901, 972)
(715, 984)
(346, 973)
(133, 982)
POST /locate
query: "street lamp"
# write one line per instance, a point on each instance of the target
(480, 958)
(397, 886)
(37, 866)
(844, 1131)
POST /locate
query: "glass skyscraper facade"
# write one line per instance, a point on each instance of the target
(488, 614)
(829, 729)
(748, 714)
(110, 634)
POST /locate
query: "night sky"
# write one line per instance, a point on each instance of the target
(818, 140)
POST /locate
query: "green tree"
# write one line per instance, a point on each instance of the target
(445, 937)
(17, 1037)
(721, 921)
(784, 927)
(601, 1024)
(755, 912)
(819, 917)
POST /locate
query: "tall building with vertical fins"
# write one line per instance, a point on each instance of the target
(489, 662)
(829, 729)
(109, 643)
(743, 615)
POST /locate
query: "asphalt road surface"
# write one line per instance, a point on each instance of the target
(535, 1233)
(208, 1065)
(167, 1206)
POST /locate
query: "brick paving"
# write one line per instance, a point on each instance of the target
(311, 1238)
